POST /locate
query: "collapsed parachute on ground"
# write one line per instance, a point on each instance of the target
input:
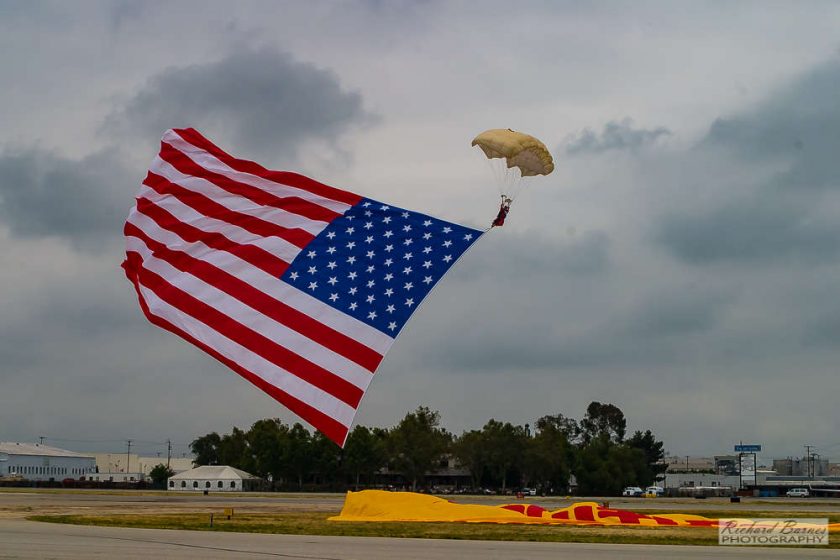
(519, 150)
(382, 506)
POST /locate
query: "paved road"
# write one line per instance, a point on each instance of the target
(31, 540)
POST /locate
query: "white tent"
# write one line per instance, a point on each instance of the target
(213, 478)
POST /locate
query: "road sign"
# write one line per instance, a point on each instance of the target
(743, 448)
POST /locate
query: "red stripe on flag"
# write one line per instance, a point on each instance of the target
(256, 256)
(322, 422)
(283, 177)
(247, 338)
(212, 209)
(263, 303)
(296, 205)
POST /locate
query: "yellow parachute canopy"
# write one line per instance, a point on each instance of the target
(518, 149)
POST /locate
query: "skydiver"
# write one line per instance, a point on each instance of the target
(504, 208)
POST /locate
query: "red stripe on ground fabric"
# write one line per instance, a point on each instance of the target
(518, 508)
(282, 177)
(263, 303)
(256, 256)
(253, 341)
(584, 513)
(322, 422)
(534, 511)
(627, 517)
(212, 209)
(296, 205)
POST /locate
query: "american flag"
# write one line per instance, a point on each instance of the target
(299, 287)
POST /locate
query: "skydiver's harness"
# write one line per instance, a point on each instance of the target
(504, 208)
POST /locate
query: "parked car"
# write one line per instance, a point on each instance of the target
(798, 493)
(633, 491)
(654, 491)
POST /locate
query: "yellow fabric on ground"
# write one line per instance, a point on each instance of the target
(382, 506)
(379, 505)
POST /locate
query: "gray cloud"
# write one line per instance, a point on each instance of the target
(262, 101)
(680, 311)
(800, 124)
(781, 215)
(697, 296)
(764, 226)
(85, 201)
(615, 136)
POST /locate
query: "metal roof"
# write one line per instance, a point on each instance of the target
(38, 450)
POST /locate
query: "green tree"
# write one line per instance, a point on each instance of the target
(504, 448)
(160, 474)
(206, 449)
(605, 467)
(364, 453)
(549, 456)
(470, 451)
(296, 455)
(266, 440)
(417, 443)
(235, 451)
(654, 454)
(601, 419)
(325, 456)
(559, 423)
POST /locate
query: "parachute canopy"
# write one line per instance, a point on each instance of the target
(518, 149)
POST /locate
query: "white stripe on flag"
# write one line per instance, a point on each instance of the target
(211, 163)
(235, 202)
(254, 363)
(253, 319)
(188, 215)
(269, 285)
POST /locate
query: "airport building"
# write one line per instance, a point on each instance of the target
(133, 468)
(37, 462)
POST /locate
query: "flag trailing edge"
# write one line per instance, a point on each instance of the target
(299, 287)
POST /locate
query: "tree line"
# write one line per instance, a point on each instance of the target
(500, 456)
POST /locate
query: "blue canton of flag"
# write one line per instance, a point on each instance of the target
(377, 262)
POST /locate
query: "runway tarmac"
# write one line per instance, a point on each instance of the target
(20, 538)
(31, 540)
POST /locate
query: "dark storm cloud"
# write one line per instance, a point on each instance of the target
(765, 226)
(682, 310)
(800, 124)
(43, 194)
(781, 216)
(615, 136)
(262, 101)
(541, 332)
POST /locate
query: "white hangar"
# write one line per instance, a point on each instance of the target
(37, 462)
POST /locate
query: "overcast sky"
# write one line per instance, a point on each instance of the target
(683, 261)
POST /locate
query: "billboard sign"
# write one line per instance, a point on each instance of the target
(744, 448)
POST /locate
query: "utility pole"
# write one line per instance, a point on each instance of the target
(168, 452)
(808, 455)
(128, 458)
